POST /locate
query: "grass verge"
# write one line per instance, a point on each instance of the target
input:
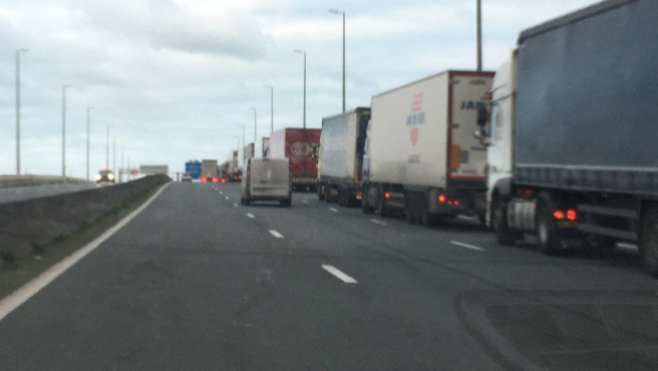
(20, 270)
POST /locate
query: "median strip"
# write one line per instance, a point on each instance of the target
(337, 273)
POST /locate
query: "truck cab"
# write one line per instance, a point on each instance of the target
(499, 138)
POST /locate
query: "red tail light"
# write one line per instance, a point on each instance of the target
(442, 198)
(203, 179)
(571, 215)
(223, 180)
(456, 203)
(215, 179)
(387, 195)
(559, 215)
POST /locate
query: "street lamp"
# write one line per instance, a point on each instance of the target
(343, 13)
(122, 166)
(88, 111)
(272, 105)
(244, 143)
(255, 128)
(107, 164)
(64, 130)
(478, 17)
(114, 152)
(18, 109)
(303, 52)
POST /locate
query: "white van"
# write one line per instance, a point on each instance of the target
(267, 179)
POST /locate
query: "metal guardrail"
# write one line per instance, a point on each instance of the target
(11, 181)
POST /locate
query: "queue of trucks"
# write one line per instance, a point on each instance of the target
(559, 143)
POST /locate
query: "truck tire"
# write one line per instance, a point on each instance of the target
(547, 239)
(427, 219)
(649, 239)
(321, 192)
(504, 236)
(380, 210)
(364, 202)
(247, 201)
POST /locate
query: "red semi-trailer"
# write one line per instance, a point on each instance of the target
(297, 145)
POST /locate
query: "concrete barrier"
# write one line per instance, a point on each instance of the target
(38, 221)
(10, 181)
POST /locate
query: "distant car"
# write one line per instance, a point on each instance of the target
(105, 175)
(267, 179)
(186, 178)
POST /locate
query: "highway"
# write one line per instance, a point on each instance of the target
(25, 193)
(199, 282)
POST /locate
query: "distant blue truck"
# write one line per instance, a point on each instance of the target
(194, 169)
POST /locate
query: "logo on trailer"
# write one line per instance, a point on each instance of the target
(416, 117)
(297, 149)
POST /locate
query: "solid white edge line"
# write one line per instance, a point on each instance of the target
(378, 222)
(23, 294)
(340, 275)
(466, 245)
(332, 209)
(251, 216)
(276, 234)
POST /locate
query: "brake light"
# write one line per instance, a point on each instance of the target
(442, 198)
(559, 215)
(387, 195)
(450, 203)
(223, 180)
(571, 215)
(456, 203)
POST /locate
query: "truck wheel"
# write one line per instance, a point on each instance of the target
(499, 223)
(547, 238)
(427, 219)
(364, 202)
(321, 192)
(247, 201)
(380, 210)
(649, 239)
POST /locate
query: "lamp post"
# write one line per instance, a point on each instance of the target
(18, 109)
(122, 166)
(343, 13)
(272, 105)
(244, 143)
(64, 130)
(478, 17)
(88, 113)
(255, 128)
(107, 158)
(114, 152)
(303, 52)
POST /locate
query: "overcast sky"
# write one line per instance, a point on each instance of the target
(176, 78)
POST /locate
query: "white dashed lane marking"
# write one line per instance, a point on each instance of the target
(472, 247)
(340, 275)
(276, 234)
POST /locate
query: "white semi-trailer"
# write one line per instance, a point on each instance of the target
(421, 155)
(573, 141)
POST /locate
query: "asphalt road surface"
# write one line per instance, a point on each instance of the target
(199, 282)
(26, 193)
